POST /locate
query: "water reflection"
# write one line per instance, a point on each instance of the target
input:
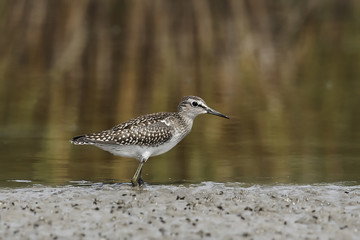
(55, 161)
(287, 77)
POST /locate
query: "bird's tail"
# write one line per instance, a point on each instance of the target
(79, 140)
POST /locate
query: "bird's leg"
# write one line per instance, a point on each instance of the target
(140, 180)
(137, 180)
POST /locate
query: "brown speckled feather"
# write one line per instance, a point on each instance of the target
(147, 130)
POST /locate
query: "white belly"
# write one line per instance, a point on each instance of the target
(140, 152)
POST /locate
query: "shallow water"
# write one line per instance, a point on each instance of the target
(292, 99)
(207, 154)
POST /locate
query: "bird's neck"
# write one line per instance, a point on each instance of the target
(187, 121)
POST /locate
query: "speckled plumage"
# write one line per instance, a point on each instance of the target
(148, 130)
(148, 135)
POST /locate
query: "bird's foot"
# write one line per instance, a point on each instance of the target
(134, 182)
(141, 182)
(137, 182)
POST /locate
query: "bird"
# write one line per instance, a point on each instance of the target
(149, 135)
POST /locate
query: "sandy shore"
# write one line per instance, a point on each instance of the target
(203, 211)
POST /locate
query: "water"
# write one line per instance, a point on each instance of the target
(293, 105)
(212, 152)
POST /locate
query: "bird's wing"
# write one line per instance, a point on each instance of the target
(142, 121)
(94, 138)
(145, 134)
(149, 130)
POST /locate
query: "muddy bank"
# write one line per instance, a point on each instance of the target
(203, 211)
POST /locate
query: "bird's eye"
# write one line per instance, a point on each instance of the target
(194, 104)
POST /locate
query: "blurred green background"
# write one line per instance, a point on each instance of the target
(287, 72)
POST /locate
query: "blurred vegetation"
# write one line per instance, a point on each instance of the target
(286, 71)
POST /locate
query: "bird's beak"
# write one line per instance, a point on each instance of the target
(213, 112)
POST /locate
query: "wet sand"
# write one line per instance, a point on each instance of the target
(203, 211)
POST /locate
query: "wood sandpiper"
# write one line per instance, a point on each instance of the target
(148, 135)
